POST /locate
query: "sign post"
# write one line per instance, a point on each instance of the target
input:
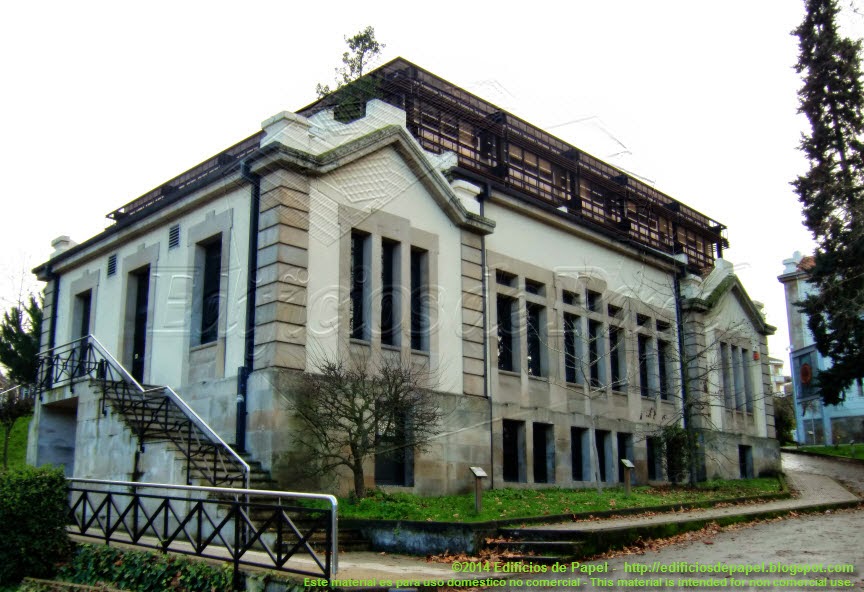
(628, 467)
(479, 475)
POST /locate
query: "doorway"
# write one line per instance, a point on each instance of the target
(140, 283)
(82, 310)
(514, 450)
(745, 461)
(544, 453)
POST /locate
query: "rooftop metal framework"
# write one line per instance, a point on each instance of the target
(525, 161)
(513, 156)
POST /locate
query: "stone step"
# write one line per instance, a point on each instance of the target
(558, 549)
(538, 534)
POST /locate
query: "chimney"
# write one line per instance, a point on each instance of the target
(61, 244)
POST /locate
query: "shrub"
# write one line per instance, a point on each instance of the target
(675, 452)
(33, 510)
(143, 571)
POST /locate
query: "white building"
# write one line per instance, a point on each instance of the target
(556, 298)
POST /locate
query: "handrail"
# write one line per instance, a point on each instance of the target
(67, 344)
(117, 365)
(330, 499)
(9, 390)
(30, 394)
(202, 425)
(171, 394)
(334, 502)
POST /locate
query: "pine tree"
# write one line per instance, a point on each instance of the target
(364, 49)
(20, 330)
(832, 193)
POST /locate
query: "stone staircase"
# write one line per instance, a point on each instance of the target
(156, 418)
(541, 546)
(157, 415)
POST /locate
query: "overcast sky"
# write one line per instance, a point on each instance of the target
(104, 101)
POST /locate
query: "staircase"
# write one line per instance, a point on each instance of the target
(542, 546)
(154, 414)
(158, 415)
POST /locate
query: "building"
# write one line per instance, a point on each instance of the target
(779, 382)
(817, 423)
(556, 298)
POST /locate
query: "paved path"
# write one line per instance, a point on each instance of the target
(812, 541)
(850, 474)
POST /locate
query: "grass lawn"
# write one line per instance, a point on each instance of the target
(841, 450)
(17, 444)
(499, 504)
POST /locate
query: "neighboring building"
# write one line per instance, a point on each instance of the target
(546, 289)
(780, 383)
(817, 423)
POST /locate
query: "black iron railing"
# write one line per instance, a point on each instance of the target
(156, 414)
(287, 533)
(22, 392)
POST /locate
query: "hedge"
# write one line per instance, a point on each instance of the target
(142, 571)
(33, 511)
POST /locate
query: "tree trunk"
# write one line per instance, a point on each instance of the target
(7, 434)
(690, 433)
(359, 480)
(596, 454)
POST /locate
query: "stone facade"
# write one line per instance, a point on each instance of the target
(558, 347)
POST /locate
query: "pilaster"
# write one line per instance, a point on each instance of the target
(283, 271)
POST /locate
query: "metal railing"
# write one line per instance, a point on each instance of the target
(211, 522)
(156, 414)
(21, 391)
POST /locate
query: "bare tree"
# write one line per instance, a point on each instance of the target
(354, 408)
